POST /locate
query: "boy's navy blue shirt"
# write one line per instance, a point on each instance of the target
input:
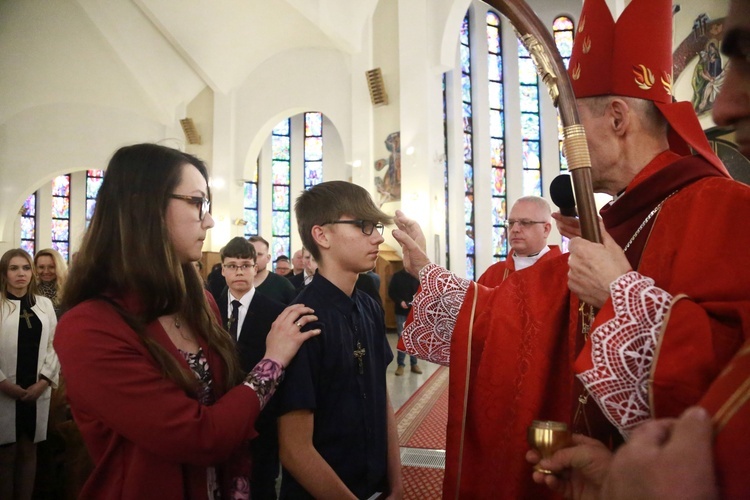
(349, 407)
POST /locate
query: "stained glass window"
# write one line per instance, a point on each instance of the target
(497, 135)
(563, 30)
(468, 148)
(61, 214)
(313, 149)
(94, 179)
(530, 124)
(281, 138)
(28, 224)
(250, 214)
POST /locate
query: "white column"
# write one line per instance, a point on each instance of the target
(77, 209)
(226, 175)
(422, 186)
(513, 136)
(43, 217)
(481, 150)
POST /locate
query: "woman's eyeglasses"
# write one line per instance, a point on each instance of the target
(204, 205)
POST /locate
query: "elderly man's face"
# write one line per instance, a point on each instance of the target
(732, 106)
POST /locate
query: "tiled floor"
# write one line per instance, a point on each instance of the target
(401, 388)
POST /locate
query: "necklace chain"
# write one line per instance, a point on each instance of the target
(645, 221)
(178, 325)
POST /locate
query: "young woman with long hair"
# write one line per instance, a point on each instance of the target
(28, 368)
(152, 378)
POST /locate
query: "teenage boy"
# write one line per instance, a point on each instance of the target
(248, 317)
(337, 431)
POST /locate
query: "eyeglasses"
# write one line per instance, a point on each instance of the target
(366, 226)
(234, 267)
(204, 205)
(525, 223)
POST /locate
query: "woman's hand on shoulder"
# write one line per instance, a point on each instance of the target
(286, 335)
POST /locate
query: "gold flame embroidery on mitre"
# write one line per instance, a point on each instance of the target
(666, 81)
(644, 78)
(586, 44)
(577, 72)
(582, 24)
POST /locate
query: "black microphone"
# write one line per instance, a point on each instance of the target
(561, 192)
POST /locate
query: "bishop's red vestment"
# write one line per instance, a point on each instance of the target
(512, 348)
(728, 400)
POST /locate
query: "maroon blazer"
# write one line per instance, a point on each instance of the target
(146, 436)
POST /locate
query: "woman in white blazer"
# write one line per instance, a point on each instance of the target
(28, 370)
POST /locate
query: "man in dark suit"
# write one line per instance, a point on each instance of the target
(248, 317)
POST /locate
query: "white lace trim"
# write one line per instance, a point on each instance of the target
(622, 350)
(435, 309)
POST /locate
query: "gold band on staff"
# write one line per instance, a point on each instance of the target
(575, 147)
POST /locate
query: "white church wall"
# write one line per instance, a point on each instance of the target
(68, 102)
(42, 143)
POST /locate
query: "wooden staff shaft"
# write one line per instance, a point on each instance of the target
(541, 46)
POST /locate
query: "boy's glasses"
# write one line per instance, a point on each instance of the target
(234, 267)
(203, 204)
(367, 226)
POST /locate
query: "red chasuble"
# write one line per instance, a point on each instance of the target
(499, 271)
(728, 400)
(519, 370)
(690, 248)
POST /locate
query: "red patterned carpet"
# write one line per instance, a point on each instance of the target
(421, 424)
(422, 484)
(422, 419)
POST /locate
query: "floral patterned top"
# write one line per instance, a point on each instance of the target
(198, 364)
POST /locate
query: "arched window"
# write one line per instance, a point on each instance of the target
(563, 29)
(28, 224)
(94, 179)
(61, 214)
(313, 149)
(281, 160)
(497, 135)
(468, 148)
(530, 124)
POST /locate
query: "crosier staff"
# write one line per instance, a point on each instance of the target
(538, 41)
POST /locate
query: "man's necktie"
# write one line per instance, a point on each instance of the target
(234, 319)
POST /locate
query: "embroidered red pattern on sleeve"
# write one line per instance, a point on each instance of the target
(434, 310)
(622, 350)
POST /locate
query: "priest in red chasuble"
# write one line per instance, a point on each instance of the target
(666, 278)
(528, 226)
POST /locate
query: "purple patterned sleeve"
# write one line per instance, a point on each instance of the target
(264, 379)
